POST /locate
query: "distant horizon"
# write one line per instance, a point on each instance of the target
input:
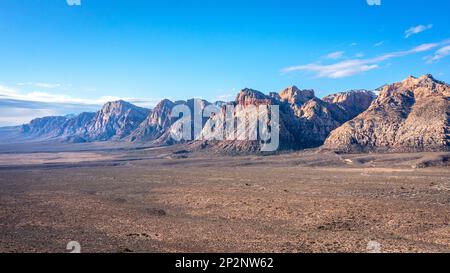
(61, 59)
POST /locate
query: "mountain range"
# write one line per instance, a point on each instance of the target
(412, 115)
(408, 115)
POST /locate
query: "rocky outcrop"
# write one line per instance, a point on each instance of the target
(175, 128)
(352, 102)
(295, 96)
(316, 118)
(234, 141)
(412, 115)
(76, 129)
(46, 127)
(155, 124)
(305, 120)
(116, 120)
(251, 97)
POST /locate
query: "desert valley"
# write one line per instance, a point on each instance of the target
(352, 168)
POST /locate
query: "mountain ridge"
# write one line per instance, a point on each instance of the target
(342, 121)
(411, 115)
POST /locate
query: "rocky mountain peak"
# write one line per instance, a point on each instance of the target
(418, 88)
(161, 114)
(165, 103)
(293, 95)
(428, 76)
(412, 81)
(352, 95)
(353, 102)
(116, 120)
(249, 96)
(408, 115)
(116, 106)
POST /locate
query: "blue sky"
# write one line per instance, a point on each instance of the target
(143, 51)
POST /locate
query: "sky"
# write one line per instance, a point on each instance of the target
(58, 59)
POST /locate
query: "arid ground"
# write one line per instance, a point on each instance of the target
(141, 199)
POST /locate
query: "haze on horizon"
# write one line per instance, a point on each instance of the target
(60, 59)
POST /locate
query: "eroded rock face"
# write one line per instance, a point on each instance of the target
(353, 102)
(116, 120)
(241, 141)
(295, 96)
(412, 115)
(46, 127)
(251, 97)
(76, 129)
(305, 120)
(156, 123)
(318, 119)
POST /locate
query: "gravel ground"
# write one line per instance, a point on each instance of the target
(158, 200)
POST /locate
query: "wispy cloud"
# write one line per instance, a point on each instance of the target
(13, 116)
(335, 55)
(335, 71)
(17, 107)
(352, 67)
(439, 54)
(417, 29)
(379, 44)
(38, 96)
(40, 84)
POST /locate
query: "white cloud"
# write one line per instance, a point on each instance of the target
(439, 54)
(137, 101)
(335, 71)
(349, 68)
(7, 91)
(41, 84)
(335, 55)
(12, 116)
(379, 44)
(38, 96)
(17, 107)
(417, 29)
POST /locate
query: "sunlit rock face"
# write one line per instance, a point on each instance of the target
(156, 123)
(305, 121)
(115, 121)
(412, 115)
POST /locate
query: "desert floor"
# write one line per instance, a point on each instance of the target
(141, 199)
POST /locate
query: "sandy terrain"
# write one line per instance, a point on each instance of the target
(161, 200)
